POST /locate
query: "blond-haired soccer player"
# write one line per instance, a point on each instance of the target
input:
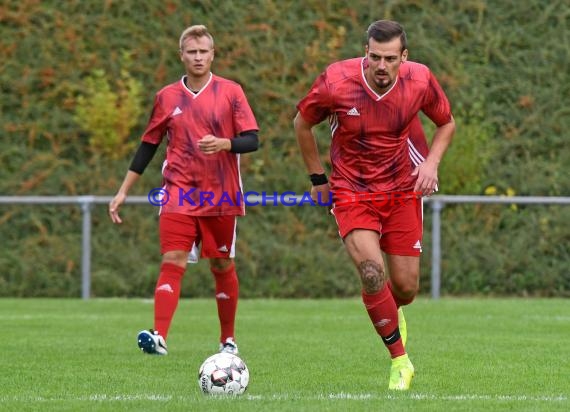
(208, 123)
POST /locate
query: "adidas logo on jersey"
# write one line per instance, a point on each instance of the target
(353, 112)
(223, 249)
(176, 111)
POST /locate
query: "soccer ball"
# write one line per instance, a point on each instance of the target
(223, 373)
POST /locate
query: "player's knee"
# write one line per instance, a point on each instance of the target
(406, 291)
(176, 257)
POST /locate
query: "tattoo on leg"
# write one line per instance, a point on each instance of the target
(371, 275)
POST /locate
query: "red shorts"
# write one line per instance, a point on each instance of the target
(182, 232)
(399, 223)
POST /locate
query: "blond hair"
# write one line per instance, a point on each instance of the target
(195, 31)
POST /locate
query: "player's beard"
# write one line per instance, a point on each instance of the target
(380, 85)
(383, 83)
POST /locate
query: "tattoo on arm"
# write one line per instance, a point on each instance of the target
(372, 276)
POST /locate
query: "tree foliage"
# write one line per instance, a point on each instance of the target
(108, 116)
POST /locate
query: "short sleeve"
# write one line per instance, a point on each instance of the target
(316, 105)
(244, 119)
(157, 124)
(436, 104)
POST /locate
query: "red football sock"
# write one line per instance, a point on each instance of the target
(227, 292)
(399, 301)
(166, 296)
(384, 316)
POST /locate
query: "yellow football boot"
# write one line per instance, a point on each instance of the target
(401, 373)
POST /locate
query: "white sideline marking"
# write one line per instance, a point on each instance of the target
(414, 396)
(520, 398)
(425, 396)
(333, 396)
(104, 397)
(90, 398)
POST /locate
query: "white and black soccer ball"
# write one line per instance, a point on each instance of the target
(223, 373)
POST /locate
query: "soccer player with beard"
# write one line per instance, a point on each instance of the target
(372, 104)
(208, 123)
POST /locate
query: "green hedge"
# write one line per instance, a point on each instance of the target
(75, 74)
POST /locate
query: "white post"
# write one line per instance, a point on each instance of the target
(436, 205)
(86, 203)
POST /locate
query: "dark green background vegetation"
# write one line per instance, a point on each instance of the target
(77, 81)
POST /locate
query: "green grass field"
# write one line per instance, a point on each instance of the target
(303, 355)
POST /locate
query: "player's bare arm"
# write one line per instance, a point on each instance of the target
(115, 204)
(308, 145)
(310, 152)
(427, 171)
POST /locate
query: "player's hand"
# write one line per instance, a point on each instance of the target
(321, 194)
(426, 183)
(114, 207)
(211, 144)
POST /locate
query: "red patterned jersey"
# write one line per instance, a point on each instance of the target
(377, 140)
(200, 184)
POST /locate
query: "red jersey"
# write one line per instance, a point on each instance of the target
(200, 184)
(377, 140)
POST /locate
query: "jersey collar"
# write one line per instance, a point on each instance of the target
(194, 95)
